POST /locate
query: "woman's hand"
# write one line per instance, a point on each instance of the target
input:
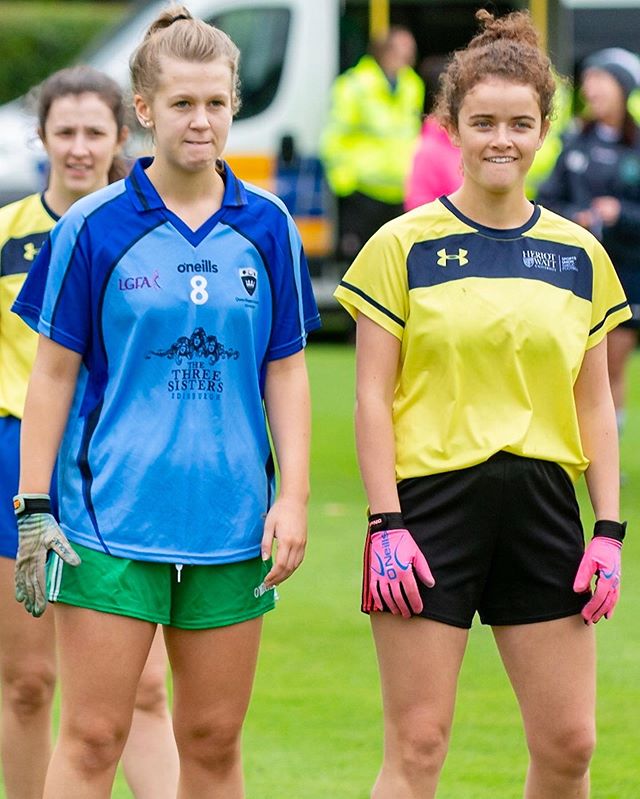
(286, 522)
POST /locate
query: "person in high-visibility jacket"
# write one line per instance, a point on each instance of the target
(369, 140)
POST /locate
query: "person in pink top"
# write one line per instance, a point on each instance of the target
(436, 166)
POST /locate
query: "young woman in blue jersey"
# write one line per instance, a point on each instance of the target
(482, 393)
(81, 123)
(195, 303)
(596, 182)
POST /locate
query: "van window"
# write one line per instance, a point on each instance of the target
(261, 34)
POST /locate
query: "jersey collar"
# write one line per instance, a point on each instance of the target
(48, 209)
(145, 197)
(490, 232)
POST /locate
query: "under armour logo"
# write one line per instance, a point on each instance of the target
(30, 251)
(461, 257)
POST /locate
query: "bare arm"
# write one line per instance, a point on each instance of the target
(377, 358)
(288, 406)
(51, 387)
(597, 420)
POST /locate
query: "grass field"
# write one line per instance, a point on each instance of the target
(314, 727)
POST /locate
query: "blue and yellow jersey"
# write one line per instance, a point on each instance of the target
(24, 226)
(494, 325)
(168, 456)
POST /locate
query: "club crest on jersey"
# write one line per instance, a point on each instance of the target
(460, 257)
(249, 278)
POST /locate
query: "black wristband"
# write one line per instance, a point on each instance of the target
(386, 521)
(609, 529)
(31, 505)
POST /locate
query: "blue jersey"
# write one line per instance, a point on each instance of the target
(168, 456)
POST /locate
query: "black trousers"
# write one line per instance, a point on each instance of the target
(359, 218)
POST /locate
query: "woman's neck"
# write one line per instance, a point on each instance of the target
(59, 200)
(177, 187)
(501, 211)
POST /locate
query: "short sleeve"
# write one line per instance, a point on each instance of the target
(376, 283)
(295, 313)
(28, 303)
(609, 306)
(66, 311)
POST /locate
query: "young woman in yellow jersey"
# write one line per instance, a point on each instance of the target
(81, 124)
(482, 395)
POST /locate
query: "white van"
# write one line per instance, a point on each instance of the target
(291, 52)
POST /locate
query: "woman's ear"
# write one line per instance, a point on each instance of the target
(143, 111)
(543, 133)
(454, 136)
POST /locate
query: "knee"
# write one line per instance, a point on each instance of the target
(28, 690)
(421, 748)
(214, 744)
(567, 751)
(95, 744)
(151, 695)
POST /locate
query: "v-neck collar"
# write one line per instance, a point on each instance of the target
(146, 199)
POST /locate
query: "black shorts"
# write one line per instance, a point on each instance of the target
(503, 538)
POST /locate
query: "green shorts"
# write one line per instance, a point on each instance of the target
(192, 598)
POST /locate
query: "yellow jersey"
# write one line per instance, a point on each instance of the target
(493, 325)
(24, 226)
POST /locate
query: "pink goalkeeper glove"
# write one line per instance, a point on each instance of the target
(390, 558)
(602, 559)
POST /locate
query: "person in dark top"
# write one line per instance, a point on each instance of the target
(596, 183)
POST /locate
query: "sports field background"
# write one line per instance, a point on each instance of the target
(314, 727)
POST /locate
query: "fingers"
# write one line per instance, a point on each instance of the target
(39, 594)
(586, 571)
(611, 604)
(289, 555)
(413, 595)
(602, 603)
(395, 601)
(65, 551)
(375, 595)
(423, 571)
(21, 588)
(266, 545)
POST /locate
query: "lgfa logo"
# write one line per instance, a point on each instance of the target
(461, 257)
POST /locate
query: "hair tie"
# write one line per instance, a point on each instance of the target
(180, 16)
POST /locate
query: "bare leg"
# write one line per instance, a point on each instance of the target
(213, 673)
(150, 757)
(101, 658)
(419, 664)
(28, 674)
(551, 666)
(620, 344)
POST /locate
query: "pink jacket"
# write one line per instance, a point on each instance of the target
(436, 167)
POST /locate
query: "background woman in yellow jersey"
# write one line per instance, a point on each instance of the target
(482, 394)
(81, 123)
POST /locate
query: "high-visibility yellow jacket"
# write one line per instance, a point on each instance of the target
(547, 155)
(369, 140)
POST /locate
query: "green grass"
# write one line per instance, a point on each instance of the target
(314, 727)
